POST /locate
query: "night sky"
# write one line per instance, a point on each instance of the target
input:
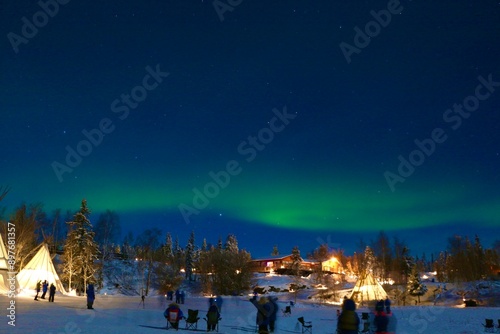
(284, 122)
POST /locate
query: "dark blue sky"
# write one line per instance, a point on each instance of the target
(304, 144)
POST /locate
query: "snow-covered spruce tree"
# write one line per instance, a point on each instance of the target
(296, 260)
(167, 249)
(415, 286)
(275, 251)
(369, 261)
(231, 245)
(189, 257)
(80, 249)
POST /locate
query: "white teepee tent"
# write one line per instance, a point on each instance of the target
(40, 268)
(4, 270)
(367, 288)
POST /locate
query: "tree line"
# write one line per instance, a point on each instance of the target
(462, 261)
(88, 251)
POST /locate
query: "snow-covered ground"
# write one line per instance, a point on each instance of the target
(124, 314)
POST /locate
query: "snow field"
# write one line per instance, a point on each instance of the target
(123, 314)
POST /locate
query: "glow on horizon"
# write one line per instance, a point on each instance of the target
(348, 204)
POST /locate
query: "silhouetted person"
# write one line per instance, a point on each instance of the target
(387, 304)
(45, 287)
(213, 316)
(52, 292)
(348, 321)
(263, 313)
(38, 287)
(177, 296)
(90, 296)
(381, 321)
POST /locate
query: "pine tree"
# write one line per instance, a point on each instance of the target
(204, 246)
(81, 251)
(415, 286)
(231, 244)
(189, 258)
(369, 260)
(167, 249)
(275, 251)
(296, 260)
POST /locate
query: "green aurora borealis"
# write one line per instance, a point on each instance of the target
(321, 174)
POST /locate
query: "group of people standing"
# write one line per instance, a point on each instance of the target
(383, 321)
(267, 310)
(44, 287)
(180, 296)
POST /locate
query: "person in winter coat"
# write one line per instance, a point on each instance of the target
(177, 296)
(45, 287)
(90, 296)
(381, 321)
(348, 320)
(38, 287)
(387, 304)
(52, 292)
(173, 314)
(263, 313)
(273, 305)
(213, 316)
